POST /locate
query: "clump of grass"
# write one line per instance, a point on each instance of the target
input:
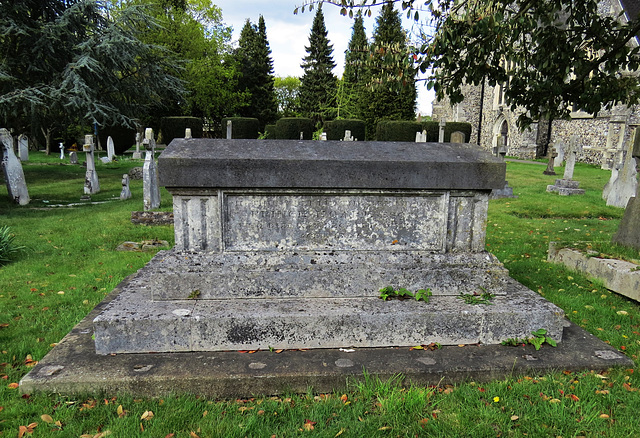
(8, 246)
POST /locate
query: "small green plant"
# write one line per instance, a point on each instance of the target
(476, 298)
(194, 295)
(539, 338)
(389, 292)
(8, 246)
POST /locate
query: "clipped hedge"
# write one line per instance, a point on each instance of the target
(174, 127)
(335, 128)
(241, 127)
(270, 132)
(123, 138)
(397, 130)
(433, 129)
(289, 128)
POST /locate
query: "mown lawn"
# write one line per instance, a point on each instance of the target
(71, 264)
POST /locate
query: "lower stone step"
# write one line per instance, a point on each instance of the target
(133, 323)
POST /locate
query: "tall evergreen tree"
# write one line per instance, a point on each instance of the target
(385, 101)
(257, 79)
(318, 84)
(356, 53)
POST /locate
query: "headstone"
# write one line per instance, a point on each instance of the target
(506, 191)
(73, 157)
(229, 130)
(347, 136)
(552, 155)
(12, 169)
(323, 136)
(91, 183)
(623, 184)
(137, 154)
(126, 191)
(61, 151)
(187, 133)
(301, 135)
(442, 124)
(421, 137)
(567, 186)
(457, 137)
(279, 246)
(628, 233)
(560, 148)
(150, 187)
(23, 148)
(111, 150)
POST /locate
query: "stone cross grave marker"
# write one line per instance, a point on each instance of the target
(23, 148)
(61, 151)
(91, 183)
(552, 155)
(347, 136)
(456, 137)
(13, 172)
(560, 148)
(137, 154)
(151, 190)
(567, 186)
(126, 191)
(441, 125)
(111, 150)
(623, 183)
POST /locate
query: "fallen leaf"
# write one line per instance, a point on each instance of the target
(13, 385)
(147, 415)
(417, 347)
(205, 413)
(604, 416)
(344, 398)
(4, 325)
(21, 431)
(628, 387)
(141, 428)
(554, 400)
(46, 418)
(573, 397)
(169, 435)
(514, 417)
(121, 413)
(339, 433)
(422, 423)
(385, 428)
(308, 425)
(279, 351)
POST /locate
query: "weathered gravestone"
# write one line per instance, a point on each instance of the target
(23, 148)
(559, 158)
(187, 133)
(552, 156)
(286, 244)
(506, 191)
(12, 169)
(73, 157)
(347, 136)
(126, 191)
(61, 147)
(457, 137)
(567, 186)
(421, 137)
(111, 150)
(150, 188)
(623, 183)
(137, 154)
(628, 233)
(442, 125)
(91, 183)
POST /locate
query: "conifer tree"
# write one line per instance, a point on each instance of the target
(257, 79)
(385, 102)
(318, 85)
(356, 53)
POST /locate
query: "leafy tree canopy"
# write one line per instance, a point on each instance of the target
(558, 55)
(288, 96)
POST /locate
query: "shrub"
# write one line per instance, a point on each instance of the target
(269, 132)
(289, 128)
(123, 138)
(335, 128)
(8, 247)
(242, 127)
(174, 127)
(397, 130)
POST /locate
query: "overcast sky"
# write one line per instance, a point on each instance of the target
(288, 34)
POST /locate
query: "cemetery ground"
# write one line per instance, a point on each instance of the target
(71, 264)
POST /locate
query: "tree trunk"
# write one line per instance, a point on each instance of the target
(543, 137)
(47, 139)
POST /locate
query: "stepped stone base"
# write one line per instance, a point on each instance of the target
(136, 323)
(566, 187)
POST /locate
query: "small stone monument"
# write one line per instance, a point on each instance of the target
(111, 150)
(229, 130)
(323, 136)
(559, 159)
(137, 154)
(151, 189)
(73, 157)
(61, 151)
(567, 186)
(301, 135)
(347, 136)
(187, 133)
(23, 148)
(421, 137)
(442, 124)
(623, 184)
(552, 156)
(628, 233)
(506, 191)
(126, 191)
(12, 169)
(91, 183)
(456, 137)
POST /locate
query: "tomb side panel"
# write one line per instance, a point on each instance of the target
(197, 222)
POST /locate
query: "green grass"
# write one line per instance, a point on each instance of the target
(71, 264)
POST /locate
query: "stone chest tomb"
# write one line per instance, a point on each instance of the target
(286, 244)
